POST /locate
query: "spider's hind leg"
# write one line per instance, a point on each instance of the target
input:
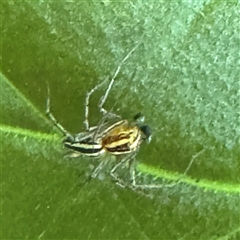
(126, 160)
(53, 119)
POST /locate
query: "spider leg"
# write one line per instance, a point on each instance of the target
(191, 162)
(104, 97)
(120, 182)
(98, 169)
(52, 118)
(135, 185)
(86, 104)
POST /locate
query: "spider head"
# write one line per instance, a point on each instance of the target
(145, 129)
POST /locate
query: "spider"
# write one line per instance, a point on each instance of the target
(117, 137)
(112, 135)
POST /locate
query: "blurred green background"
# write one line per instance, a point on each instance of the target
(184, 77)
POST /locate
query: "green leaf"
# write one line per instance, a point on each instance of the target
(183, 77)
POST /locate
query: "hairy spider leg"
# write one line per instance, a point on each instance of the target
(52, 118)
(98, 169)
(128, 159)
(86, 105)
(104, 97)
(136, 186)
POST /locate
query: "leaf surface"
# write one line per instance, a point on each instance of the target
(183, 77)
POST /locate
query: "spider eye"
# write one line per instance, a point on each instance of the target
(147, 131)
